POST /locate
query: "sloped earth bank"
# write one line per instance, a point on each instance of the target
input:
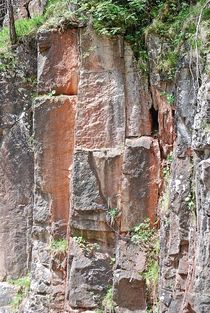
(88, 159)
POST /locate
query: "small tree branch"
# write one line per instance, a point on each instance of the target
(12, 31)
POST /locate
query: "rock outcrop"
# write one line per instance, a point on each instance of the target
(97, 151)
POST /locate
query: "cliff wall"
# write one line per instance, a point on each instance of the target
(102, 163)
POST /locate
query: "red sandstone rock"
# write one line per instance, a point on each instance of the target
(54, 119)
(58, 59)
(165, 120)
(101, 99)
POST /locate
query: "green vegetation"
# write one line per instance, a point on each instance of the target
(108, 303)
(173, 22)
(142, 233)
(167, 166)
(169, 97)
(151, 274)
(85, 245)
(55, 9)
(7, 60)
(147, 237)
(190, 201)
(24, 28)
(58, 246)
(207, 127)
(113, 214)
(24, 285)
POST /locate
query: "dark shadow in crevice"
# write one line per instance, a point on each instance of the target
(154, 120)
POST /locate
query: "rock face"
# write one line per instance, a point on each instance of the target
(87, 162)
(16, 162)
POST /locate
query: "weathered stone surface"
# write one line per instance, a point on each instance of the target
(140, 181)
(129, 292)
(90, 275)
(96, 186)
(186, 101)
(15, 205)
(101, 98)
(54, 119)
(201, 275)
(129, 257)
(108, 159)
(58, 62)
(36, 7)
(54, 141)
(16, 161)
(138, 98)
(165, 129)
(128, 285)
(201, 133)
(7, 294)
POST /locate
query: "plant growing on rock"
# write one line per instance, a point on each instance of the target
(113, 214)
(59, 246)
(190, 200)
(24, 285)
(86, 246)
(169, 97)
(142, 233)
(167, 166)
(108, 303)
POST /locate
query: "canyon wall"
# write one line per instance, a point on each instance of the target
(95, 152)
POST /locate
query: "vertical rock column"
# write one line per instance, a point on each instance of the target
(16, 161)
(100, 135)
(54, 119)
(18, 70)
(201, 144)
(115, 168)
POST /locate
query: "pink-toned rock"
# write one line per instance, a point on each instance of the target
(58, 62)
(101, 98)
(165, 120)
(138, 98)
(140, 181)
(54, 120)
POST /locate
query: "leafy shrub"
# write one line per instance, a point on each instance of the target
(142, 233)
(112, 214)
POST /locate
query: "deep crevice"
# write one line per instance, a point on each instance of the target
(154, 120)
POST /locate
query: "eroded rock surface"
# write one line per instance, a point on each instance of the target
(100, 151)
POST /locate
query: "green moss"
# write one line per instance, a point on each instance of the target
(152, 273)
(60, 245)
(108, 303)
(169, 97)
(24, 284)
